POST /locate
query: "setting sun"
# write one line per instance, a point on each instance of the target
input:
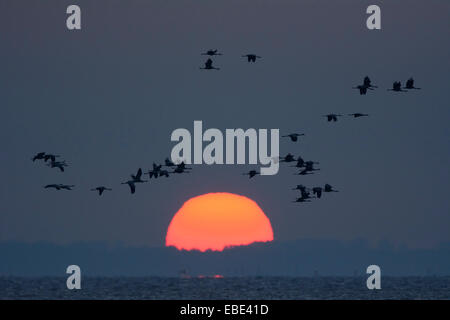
(215, 221)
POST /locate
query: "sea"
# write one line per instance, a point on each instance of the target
(236, 288)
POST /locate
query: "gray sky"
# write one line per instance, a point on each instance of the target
(108, 97)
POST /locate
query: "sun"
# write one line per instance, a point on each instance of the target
(215, 221)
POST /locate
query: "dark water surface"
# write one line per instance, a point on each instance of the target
(225, 288)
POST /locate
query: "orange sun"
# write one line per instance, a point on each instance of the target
(214, 221)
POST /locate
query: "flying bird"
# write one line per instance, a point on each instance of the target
(59, 186)
(181, 168)
(357, 115)
(397, 87)
(55, 186)
(368, 83)
(131, 184)
(182, 165)
(101, 189)
(137, 178)
(300, 163)
(362, 89)
(332, 117)
(155, 172)
(211, 53)
(251, 57)
(293, 136)
(288, 158)
(251, 173)
(410, 84)
(209, 66)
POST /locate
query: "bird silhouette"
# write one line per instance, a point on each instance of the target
(332, 117)
(300, 163)
(38, 156)
(251, 173)
(368, 83)
(362, 89)
(101, 189)
(55, 186)
(137, 178)
(131, 184)
(181, 168)
(209, 66)
(410, 84)
(251, 57)
(211, 53)
(357, 115)
(288, 158)
(59, 186)
(155, 172)
(293, 136)
(397, 87)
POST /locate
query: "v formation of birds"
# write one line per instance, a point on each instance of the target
(306, 167)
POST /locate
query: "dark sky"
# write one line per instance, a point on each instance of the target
(108, 97)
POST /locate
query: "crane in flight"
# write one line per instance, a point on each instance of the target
(357, 115)
(209, 66)
(251, 173)
(101, 189)
(410, 84)
(251, 57)
(397, 87)
(211, 53)
(332, 117)
(59, 186)
(293, 136)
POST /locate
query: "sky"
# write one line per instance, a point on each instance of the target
(107, 98)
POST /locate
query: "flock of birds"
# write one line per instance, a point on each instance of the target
(211, 53)
(396, 86)
(305, 167)
(156, 172)
(308, 167)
